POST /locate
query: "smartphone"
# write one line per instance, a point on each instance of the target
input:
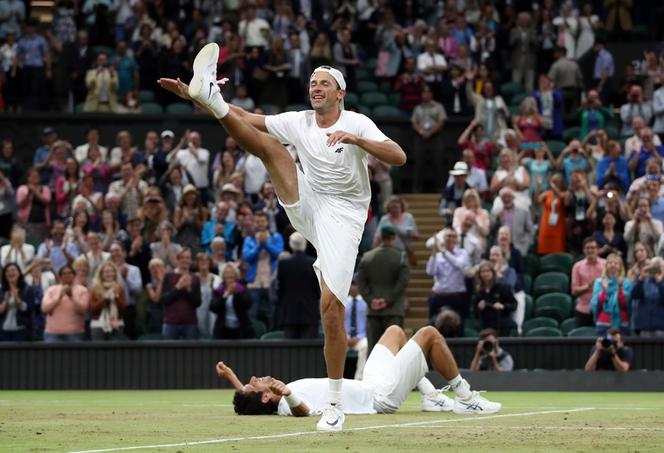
(531, 145)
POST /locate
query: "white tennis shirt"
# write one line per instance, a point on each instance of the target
(357, 397)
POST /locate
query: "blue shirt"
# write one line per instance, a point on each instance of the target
(57, 256)
(228, 235)
(657, 209)
(361, 320)
(603, 61)
(126, 67)
(640, 169)
(40, 156)
(31, 51)
(620, 167)
(569, 165)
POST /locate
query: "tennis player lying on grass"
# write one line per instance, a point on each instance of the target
(394, 368)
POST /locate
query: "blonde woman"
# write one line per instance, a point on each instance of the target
(471, 203)
(510, 174)
(17, 251)
(528, 124)
(402, 221)
(82, 273)
(107, 304)
(209, 283)
(611, 297)
(157, 270)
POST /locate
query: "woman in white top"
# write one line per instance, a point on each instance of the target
(490, 108)
(588, 23)
(17, 251)
(471, 203)
(510, 174)
(568, 30)
(209, 283)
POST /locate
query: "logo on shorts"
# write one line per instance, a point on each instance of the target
(339, 149)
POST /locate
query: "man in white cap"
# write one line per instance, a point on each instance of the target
(327, 200)
(453, 195)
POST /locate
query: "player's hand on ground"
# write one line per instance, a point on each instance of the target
(279, 388)
(341, 137)
(175, 86)
(224, 371)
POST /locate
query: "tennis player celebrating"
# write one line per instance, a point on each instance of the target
(327, 200)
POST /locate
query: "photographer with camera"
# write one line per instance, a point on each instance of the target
(489, 356)
(610, 353)
(102, 83)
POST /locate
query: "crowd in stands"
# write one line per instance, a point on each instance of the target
(554, 207)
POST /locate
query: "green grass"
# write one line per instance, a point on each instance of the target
(45, 421)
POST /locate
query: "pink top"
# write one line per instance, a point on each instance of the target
(584, 273)
(24, 209)
(68, 315)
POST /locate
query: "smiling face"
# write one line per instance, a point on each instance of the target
(324, 92)
(108, 273)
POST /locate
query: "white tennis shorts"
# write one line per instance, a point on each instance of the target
(334, 226)
(394, 376)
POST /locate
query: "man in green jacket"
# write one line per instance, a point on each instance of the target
(382, 276)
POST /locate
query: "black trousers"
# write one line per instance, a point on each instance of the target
(376, 327)
(33, 80)
(584, 320)
(297, 331)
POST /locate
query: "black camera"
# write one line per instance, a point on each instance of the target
(488, 346)
(608, 341)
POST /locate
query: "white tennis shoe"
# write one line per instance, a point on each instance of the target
(332, 419)
(204, 87)
(437, 402)
(475, 404)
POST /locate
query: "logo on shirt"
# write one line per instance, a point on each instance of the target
(339, 149)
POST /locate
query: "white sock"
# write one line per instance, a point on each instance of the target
(218, 107)
(334, 391)
(460, 387)
(426, 387)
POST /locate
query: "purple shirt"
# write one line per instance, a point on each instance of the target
(449, 271)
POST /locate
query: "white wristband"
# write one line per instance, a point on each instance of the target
(292, 400)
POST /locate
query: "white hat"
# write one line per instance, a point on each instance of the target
(460, 168)
(336, 74)
(167, 133)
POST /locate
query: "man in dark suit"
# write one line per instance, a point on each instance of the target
(383, 275)
(298, 292)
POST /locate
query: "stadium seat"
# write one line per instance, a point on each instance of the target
(150, 337)
(556, 147)
(385, 87)
(583, 332)
(371, 64)
(509, 89)
(470, 333)
(528, 314)
(373, 99)
(179, 108)
(612, 132)
(387, 111)
(517, 98)
(151, 108)
(146, 96)
(556, 262)
(365, 86)
(544, 332)
(394, 99)
(568, 325)
(270, 109)
(571, 133)
(514, 109)
(259, 328)
(297, 107)
(538, 322)
(527, 283)
(554, 305)
(351, 100)
(472, 323)
(363, 74)
(274, 335)
(550, 282)
(532, 265)
(364, 110)
(79, 108)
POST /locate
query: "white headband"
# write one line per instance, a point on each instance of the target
(336, 74)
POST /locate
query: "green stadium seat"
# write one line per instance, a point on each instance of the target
(150, 337)
(385, 87)
(554, 305)
(146, 96)
(567, 326)
(556, 147)
(470, 333)
(556, 262)
(151, 108)
(571, 133)
(394, 99)
(371, 65)
(363, 74)
(550, 282)
(79, 108)
(472, 323)
(583, 332)
(518, 98)
(365, 86)
(179, 108)
(544, 332)
(387, 111)
(532, 265)
(373, 99)
(270, 109)
(104, 49)
(259, 328)
(527, 283)
(351, 100)
(528, 314)
(274, 335)
(364, 110)
(514, 109)
(538, 322)
(509, 89)
(297, 107)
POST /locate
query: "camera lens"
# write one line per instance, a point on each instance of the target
(488, 346)
(606, 342)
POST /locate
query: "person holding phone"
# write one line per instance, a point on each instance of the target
(102, 83)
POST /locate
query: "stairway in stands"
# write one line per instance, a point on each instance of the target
(424, 207)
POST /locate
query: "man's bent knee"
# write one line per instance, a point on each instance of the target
(395, 331)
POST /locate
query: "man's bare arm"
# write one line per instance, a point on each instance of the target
(225, 372)
(387, 151)
(279, 388)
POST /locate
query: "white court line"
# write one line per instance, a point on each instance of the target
(305, 433)
(569, 428)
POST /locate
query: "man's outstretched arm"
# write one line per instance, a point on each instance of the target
(180, 88)
(297, 407)
(225, 372)
(386, 151)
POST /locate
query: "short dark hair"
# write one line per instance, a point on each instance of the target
(250, 403)
(261, 214)
(485, 333)
(613, 331)
(587, 240)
